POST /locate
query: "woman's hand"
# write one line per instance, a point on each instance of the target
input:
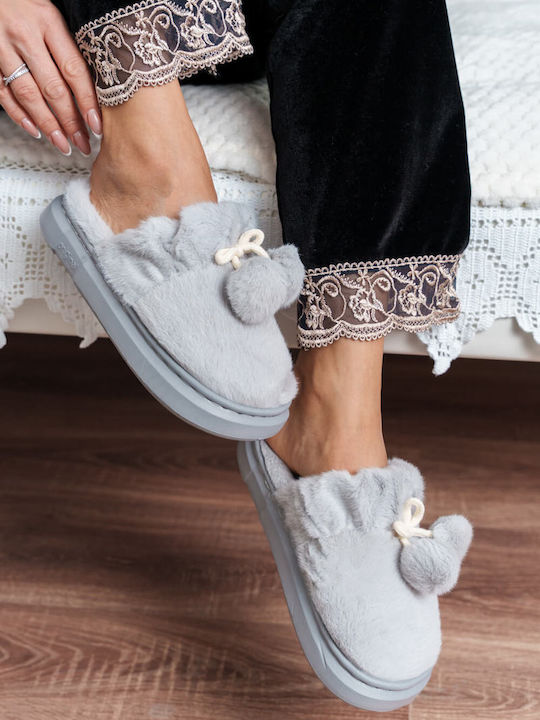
(57, 96)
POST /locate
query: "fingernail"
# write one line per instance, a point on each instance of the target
(59, 140)
(94, 123)
(30, 128)
(80, 140)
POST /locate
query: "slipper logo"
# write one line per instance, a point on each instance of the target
(249, 241)
(66, 256)
(408, 525)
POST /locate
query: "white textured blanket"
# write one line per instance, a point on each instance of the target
(497, 44)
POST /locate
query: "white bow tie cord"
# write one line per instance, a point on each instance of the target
(409, 521)
(249, 241)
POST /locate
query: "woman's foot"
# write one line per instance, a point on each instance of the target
(151, 161)
(335, 420)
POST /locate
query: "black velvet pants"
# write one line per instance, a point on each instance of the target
(367, 116)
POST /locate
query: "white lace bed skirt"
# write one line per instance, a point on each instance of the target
(499, 276)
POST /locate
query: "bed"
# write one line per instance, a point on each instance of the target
(498, 52)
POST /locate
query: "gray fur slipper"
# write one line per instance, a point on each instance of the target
(360, 576)
(190, 305)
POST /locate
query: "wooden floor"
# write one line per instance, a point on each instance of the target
(136, 582)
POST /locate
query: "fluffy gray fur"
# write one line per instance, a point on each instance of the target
(336, 501)
(432, 565)
(206, 227)
(340, 525)
(164, 269)
(132, 262)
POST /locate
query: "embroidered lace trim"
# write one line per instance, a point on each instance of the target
(155, 41)
(367, 300)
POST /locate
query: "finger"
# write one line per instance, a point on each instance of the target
(28, 96)
(17, 113)
(76, 73)
(26, 92)
(58, 96)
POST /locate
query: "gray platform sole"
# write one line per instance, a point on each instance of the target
(162, 376)
(332, 667)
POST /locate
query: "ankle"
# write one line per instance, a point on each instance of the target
(340, 402)
(135, 173)
(335, 421)
(320, 435)
(126, 192)
(151, 161)
(311, 448)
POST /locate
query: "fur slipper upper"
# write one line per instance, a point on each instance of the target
(372, 572)
(206, 290)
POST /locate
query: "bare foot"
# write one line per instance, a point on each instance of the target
(151, 160)
(335, 420)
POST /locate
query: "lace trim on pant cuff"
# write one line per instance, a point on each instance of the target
(155, 41)
(367, 300)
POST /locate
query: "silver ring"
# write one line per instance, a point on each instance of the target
(21, 70)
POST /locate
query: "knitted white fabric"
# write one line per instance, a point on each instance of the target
(498, 53)
(497, 49)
